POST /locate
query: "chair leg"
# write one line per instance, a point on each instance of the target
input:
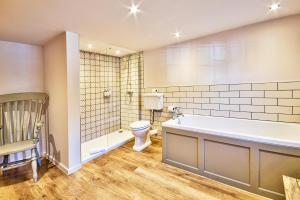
(5, 162)
(34, 165)
(39, 161)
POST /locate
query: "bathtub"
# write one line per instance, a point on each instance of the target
(248, 154)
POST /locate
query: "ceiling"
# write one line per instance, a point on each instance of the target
(107, 24)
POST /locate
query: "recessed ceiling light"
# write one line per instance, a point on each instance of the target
(90, 46)
(274, 6)
(177, 35)
(118, 52)
(134, 9)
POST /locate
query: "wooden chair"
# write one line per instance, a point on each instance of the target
(20, 126)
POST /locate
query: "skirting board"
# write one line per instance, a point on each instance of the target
(62, 167)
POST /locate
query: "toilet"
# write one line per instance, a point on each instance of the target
(140, 130)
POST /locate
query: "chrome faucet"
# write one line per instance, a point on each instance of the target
(176, 114)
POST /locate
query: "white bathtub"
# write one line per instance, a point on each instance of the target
(286, 134)
(248, 154)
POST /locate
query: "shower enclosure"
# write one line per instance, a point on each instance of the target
(109, 101)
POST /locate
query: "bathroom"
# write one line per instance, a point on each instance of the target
(123, 100)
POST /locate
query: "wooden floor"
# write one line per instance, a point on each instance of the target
(120, 174)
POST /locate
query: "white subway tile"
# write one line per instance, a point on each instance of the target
(264, 116)
(241, 115)
(230, 107)
(240, 100)
(201, 112)
(201, 100)
(264, 86)
(289, 86)
(246, 86)
(279, 109)
(230, 94)
(250, 108)
(278, 94)
(218, 113)
(193, 94)
(296, 94)
(289, 118)
(203, 88)
(173, 89)
(186, 88)
(264, 101)
(219, 100)
(251, 93)
(179, 94)
(219, 87)
(210, 106)
(210, 94)
(187, 111)
(289, 102)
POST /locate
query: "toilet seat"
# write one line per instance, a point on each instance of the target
(140, 125)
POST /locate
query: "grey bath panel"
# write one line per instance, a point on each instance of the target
(227, 160)
(182, 150)
(272, 166)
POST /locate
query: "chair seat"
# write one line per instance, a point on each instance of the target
(16, 147)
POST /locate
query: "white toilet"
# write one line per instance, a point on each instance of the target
(140, 130)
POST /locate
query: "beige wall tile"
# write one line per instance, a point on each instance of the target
(241, 115)
(210, 94)
(219, 87)
(296, 94)
(219, 100)
(230, 94)
(278, 94)
(201, 112)
(289, 118)
(187, 100)
(193, 94)
(240, 87)
(173, 89)
(201, 100)
(264, 101)
(264, 116)
(279, 109)
(204, 88)
(289, 86)
(264, 86)
(179, 94)
(210, 106)
(250, 108)
(230, 107)
(186, 88)
(193, 105)
(251, 93)
(240, 100)
(218, 113)
(289, 102)
(296, 110)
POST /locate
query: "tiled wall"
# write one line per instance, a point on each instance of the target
(255, 101)
(99, 115)
(131, 80)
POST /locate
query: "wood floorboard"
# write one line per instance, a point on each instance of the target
(120, 174)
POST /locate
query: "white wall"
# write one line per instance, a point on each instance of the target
(21, 68)
(61, 75)
(264, 52)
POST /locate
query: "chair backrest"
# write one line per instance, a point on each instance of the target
(19, 115)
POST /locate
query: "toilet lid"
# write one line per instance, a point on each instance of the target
(140, 124)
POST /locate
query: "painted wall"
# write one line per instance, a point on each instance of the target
(61, 76)
(264, 52)
(21, 68)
